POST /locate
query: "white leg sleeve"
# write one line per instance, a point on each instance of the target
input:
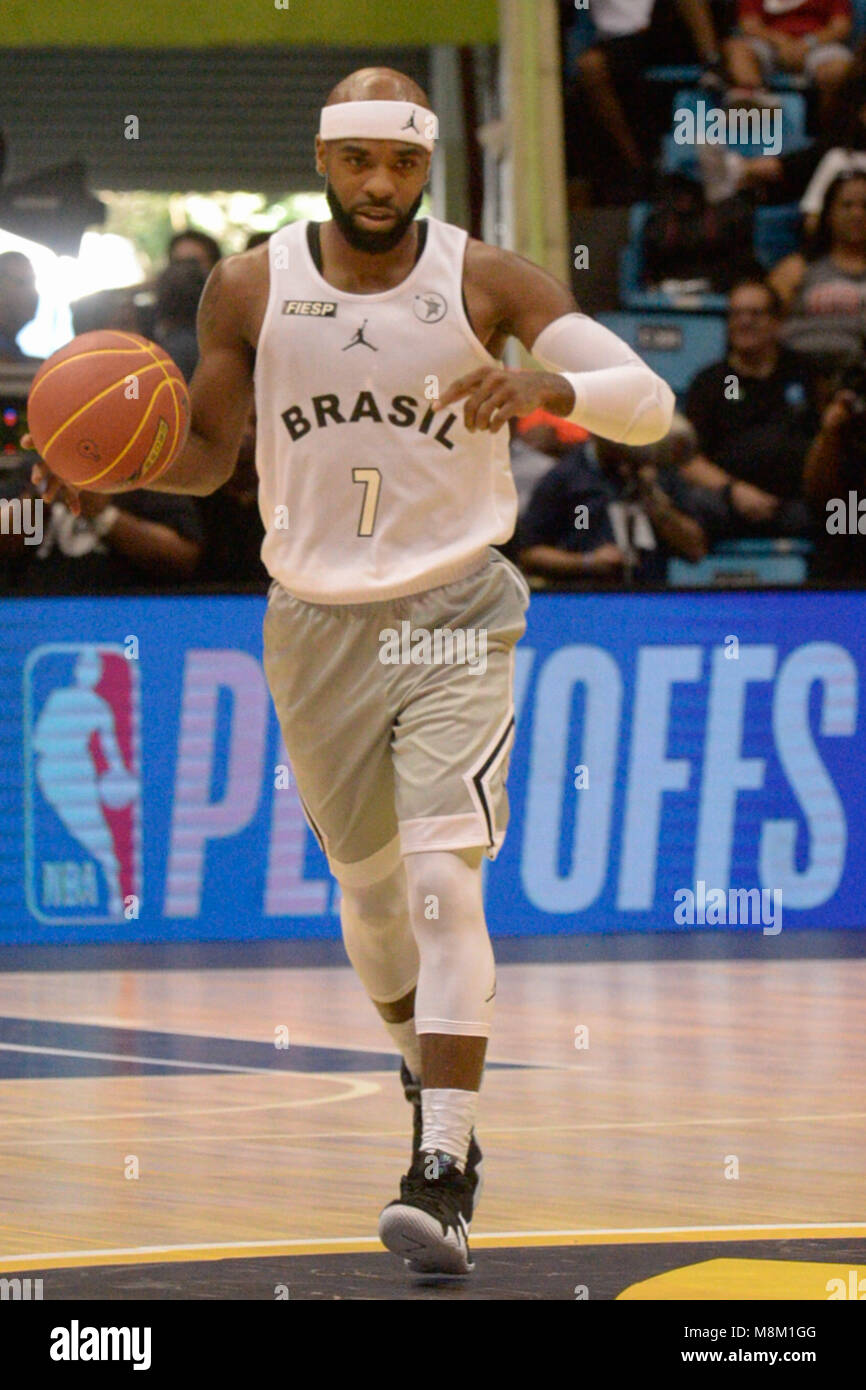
(377, 933)
(457, 978)
(617, 396)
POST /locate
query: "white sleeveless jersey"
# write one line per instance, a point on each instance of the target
(364, 492)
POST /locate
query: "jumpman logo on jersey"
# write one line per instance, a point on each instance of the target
(410, 124)
(358, 339)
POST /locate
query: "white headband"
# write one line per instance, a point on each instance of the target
(379, 120)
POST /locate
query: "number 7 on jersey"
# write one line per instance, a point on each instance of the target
(372, 480)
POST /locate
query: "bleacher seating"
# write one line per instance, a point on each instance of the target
(777, 233)
(744, 563)
(676, 346)
(634, 296)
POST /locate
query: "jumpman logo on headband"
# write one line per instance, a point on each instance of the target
(410, 124)
(358, 339)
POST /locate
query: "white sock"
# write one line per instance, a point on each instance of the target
(448, 1118)
(406, 1039)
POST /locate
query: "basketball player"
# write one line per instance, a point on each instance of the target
(381, 498)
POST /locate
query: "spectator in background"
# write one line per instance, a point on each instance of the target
(132, 540)
(537, 442)
(105, 309)
(835, 468)
(755, 415)
(189, 245)
(18, 303)
(846, 155)
(608, 514)
(632, 35)
(178, 291)
(824, 287)
(233, 525)
(801, 175)
(799, 37)
(192, 245)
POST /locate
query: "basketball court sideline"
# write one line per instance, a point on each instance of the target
(664, 1129)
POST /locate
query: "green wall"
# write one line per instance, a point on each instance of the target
(192, 23)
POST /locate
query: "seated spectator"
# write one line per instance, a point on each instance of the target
(824, 288)
(133, 540)
(178, 291)
(19, 301)
(799, 37)
(193, 245)
(755, 415)
(847, 156)
(105, 309)
(538, 441)
(610, 514)
(233, 525)
(836, 468)
(688, 243)
(189, 245)
(800, 175)
(632, 36)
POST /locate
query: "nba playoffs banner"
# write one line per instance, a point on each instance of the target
(681, 762)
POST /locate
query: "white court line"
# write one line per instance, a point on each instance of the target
(481, 1235)
(377, 1134)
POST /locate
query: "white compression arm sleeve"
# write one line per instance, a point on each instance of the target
(617, 396)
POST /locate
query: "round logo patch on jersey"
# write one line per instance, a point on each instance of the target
(430, 307)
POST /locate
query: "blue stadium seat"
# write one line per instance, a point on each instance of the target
(676, 346)
(675, 73)
(631, 293)
(777, 233)
(683, 159)
(733, 564)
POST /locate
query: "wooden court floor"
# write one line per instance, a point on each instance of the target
(157, 1116)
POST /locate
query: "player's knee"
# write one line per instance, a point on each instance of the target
(444, 891)
(378, 905)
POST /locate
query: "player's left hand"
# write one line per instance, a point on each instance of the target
(495, 394)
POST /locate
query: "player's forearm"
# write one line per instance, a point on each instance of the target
(199, 469)
(615, 394)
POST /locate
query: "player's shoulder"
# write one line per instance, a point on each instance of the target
(509, 274)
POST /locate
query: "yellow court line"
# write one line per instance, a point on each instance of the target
(356, 1245)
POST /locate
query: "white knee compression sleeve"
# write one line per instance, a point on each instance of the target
(378, 936)
(457, 977)
(617, 396)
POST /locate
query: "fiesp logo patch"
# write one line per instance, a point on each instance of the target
(316, 308)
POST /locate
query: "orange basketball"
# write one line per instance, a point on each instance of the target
(109, 409)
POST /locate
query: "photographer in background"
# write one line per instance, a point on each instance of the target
(836, 467)
(610, 514)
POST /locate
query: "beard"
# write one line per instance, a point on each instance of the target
(374, 243)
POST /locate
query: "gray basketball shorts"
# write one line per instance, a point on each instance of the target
(398, 716)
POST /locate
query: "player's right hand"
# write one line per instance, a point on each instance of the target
(49, 485)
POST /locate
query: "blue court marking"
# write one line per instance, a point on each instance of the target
(35, 1047)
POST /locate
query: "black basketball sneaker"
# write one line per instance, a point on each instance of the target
(429, 1223)
(474, 1159)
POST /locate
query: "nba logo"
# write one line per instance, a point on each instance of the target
(82, 782)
